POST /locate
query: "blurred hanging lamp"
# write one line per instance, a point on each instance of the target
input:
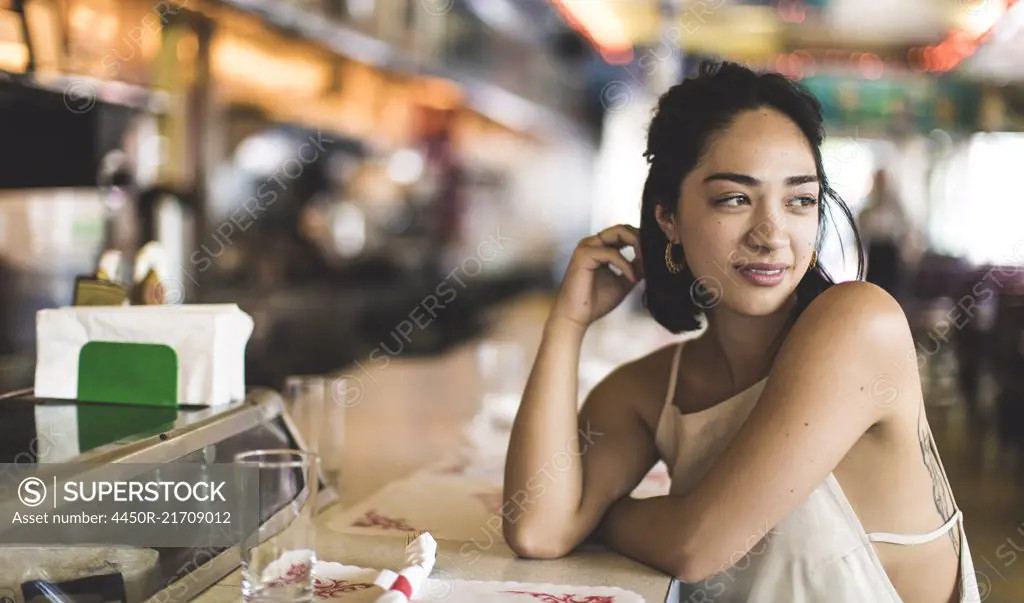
(600, 24)
(980, 18)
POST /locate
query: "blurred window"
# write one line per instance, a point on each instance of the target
(848, 163)
(976, 211)
(989, 213)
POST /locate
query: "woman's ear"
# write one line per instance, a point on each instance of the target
(666, 222)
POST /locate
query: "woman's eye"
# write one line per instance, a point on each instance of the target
(734, 201)
(805, 201)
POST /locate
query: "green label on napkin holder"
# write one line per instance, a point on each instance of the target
(102, 424)
(128, 373)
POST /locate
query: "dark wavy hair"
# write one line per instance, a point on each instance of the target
(685, 121)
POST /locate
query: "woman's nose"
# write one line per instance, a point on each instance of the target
(768, 234)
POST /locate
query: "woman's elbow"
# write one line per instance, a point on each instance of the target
(691, 569)
(533, 544)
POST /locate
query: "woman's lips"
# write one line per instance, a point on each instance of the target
(763, 275)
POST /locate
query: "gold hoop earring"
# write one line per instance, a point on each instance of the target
(814, 258)
(671, 264)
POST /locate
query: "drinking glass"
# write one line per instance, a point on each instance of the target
(277, 548)
(342, 393)
(317, 406)
(304, 395)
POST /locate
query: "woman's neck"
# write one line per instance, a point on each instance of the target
(748, 343)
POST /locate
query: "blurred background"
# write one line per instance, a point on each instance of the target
(330, 165)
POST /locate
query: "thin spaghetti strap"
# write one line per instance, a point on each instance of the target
(912, 539)
(674, 374)
(702, 327)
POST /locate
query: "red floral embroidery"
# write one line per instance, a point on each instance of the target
(372, 519)
(295, 574)
(324, 588)
(567, 598)
(327, 588)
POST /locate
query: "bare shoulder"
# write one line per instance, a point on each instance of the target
(859, 329)
(857, 312)
(640, 384)
(865, 304)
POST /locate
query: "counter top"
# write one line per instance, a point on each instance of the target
(439, 418)
(461, 560)
(460, 506)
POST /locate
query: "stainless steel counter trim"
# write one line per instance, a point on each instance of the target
(154, 450)
(260, 406)
(232, 419)
(200, 579)
(221, 422)
(16, 393)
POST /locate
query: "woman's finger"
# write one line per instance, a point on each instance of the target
(613, 237)
(619, 236)
(605, 255)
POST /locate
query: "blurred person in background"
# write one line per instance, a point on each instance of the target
(769, 414)
(885, 230)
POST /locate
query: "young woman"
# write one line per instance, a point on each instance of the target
(791, 419)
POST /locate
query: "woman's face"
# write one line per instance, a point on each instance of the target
(747, 214)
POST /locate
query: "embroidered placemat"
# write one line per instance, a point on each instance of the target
(336, 581)
(453, 502)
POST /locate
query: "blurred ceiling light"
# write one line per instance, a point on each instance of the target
(1011, 23)
(96, 26)
(790, 65)
(977, 21)
(871, 66)
(600, 24)
(348, 229)
(998, 57)
(498, 12)
(13, 56)
(82, 17)
(503, 107)
(504, 16)
(792, 11)
(263, 154)
(980, 16)
(405, 166)
(250, 65)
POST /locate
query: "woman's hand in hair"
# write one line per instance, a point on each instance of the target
(590, 288)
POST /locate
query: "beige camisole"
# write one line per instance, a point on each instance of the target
(820, 553)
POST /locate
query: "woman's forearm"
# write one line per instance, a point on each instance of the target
(542, 499)
(647, 530)
(667, 533)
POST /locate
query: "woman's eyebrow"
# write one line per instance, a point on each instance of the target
(798, 180)
(733, 177)
(747, 180)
